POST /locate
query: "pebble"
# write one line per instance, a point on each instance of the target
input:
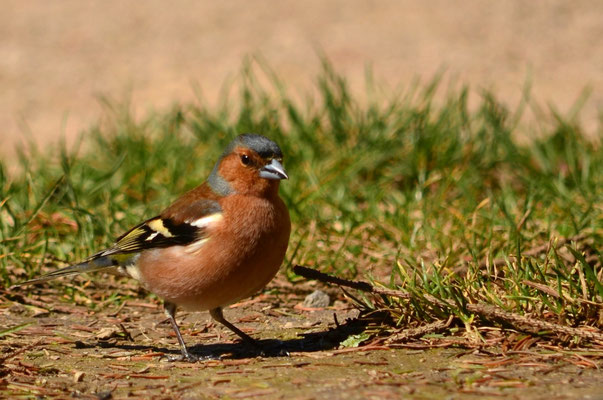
(317, 299)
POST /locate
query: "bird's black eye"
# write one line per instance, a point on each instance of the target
(245, 159)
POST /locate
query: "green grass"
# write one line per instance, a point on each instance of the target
(417, 187)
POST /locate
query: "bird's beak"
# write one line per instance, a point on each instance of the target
(274, 170)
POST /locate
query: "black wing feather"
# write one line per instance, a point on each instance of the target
(161, 232)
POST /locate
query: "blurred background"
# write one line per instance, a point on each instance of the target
(57, 58)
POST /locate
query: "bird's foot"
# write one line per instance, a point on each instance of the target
(277, 349)
(282, 350)
(184, 357)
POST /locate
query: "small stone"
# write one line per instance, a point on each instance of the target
(78, 376)
(317, 299)
(107, 333)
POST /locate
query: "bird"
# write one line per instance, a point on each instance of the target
(214, 245)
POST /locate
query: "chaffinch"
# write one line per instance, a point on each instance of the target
(218, 243)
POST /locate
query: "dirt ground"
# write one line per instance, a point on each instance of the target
(56, 58)
(118, 351)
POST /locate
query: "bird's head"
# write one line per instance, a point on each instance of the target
(251, 164)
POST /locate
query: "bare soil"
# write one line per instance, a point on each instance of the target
(119, 351)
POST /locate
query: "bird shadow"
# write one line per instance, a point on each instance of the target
(307, 343)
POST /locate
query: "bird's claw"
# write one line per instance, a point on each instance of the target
(182, 357)
(277, 350)
(281, 350)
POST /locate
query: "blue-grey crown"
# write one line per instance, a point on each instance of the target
(265, 147)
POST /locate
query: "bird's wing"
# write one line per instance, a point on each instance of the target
(168, 229)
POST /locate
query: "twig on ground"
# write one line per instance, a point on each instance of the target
(414, 333)
(518, 321)
(3, 359)
(552, 292)
(532, 324)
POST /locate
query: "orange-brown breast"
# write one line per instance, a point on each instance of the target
(243, 253)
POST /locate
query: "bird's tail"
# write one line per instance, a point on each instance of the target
(93, 264)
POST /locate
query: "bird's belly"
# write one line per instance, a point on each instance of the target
(210, 277)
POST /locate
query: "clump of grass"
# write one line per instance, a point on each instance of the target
(437, 196)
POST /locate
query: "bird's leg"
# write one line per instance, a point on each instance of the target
(217, 314)
(170, 311)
